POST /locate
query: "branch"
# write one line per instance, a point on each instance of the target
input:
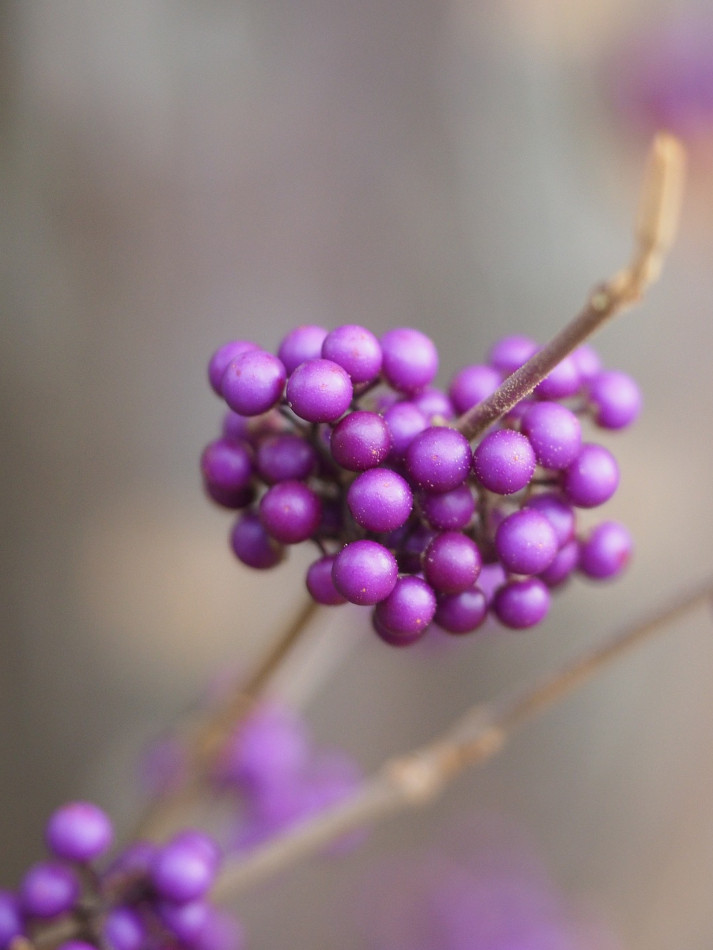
(420, 776)
(655, 227)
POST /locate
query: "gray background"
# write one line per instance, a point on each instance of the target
(178, 174)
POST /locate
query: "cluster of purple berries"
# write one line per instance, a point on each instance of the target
(151, 897)
(343, 440)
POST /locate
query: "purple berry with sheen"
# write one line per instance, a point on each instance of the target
(526, 542)
(472, 385)
(452, 563)
(227, 469)
(521, 604)
(123, 929)
(360, 440)
(410, 359)
(356, 349)
(462, 613)
(403, 617)
(504, 461)
(185, 921)
(319, 391)
(587, 362)
(554, 433)
(79, 831)
(404, 420)
(183, 870)
(438, 459)
(253, 382)
(380, 500)
(592, 478)
(434, 404)
(616, 400)
(222, 357)
(49, 889)
(564, 380)
(364, 572)
(606, 552)
(252, 544)
(320, 583)
(558, 512)
(301, 344)
(449, 510)
(290, 512)
(564, 564)
(509, 353)
(285, 457)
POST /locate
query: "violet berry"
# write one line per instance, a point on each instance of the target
(380, 499)
(403, 616)
(79, 831)
(438, 459)
(504, 461)
(410, 359)
(356, 349)
(592, 478)
(520, 604)
(364, 572)
(319, 390)
(606, 552)
(253, 382)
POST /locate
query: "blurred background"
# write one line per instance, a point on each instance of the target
(179, 174)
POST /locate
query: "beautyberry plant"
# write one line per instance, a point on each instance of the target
(343, 440)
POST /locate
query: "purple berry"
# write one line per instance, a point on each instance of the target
(253, 382)
(301, 344)
(564, 380)
(587, 362)
(450, 510)
(565, 562)
(356, 349)
(438, 459)
(79, 831)
(11, 924)
(511, 352)
(285, 457)
(360, 440)
(320, 583)
(521, 604)
(403, 617)
(404, 420)
(183, 870)
(222, 357)
(290, 512)
(451, 563)
(592, 478)
(472, 385)
(558, 513)
(554, 433)
(227, 469)
(526, 542)
(49, 889)
(380, 500)
(252, 544)
(184, 921)
(462, 613)
(123, 929)
(319, 391)
(606, 551)
(434, 404)
(364, 572)
(616, 399)
(504, 461)
(267, 750)
(410, 359)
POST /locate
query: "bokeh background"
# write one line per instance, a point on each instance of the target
(178, 174)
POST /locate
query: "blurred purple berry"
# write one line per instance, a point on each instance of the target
(526, 542)
(320, 584)
(49, 889)
(410, 359)
(472, 385)
(285, 457)
(521, 604)
(509, 353)
(616, 400)
(222, 357)
(79, 831)
(252, 544)
(606, 552)
(462, 613)
(554, 433)
(592, 478)
(301, 344)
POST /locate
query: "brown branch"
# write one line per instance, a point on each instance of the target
(655, 227)
(417, 778)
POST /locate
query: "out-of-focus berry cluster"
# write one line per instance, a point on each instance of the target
(270, 768)
(342, 439)
(151, 897)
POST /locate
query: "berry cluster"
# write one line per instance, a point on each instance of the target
(343, 440)
(150, 898)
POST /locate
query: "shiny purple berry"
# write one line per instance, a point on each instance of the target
(222, 357)
(521, 604)
(410, 359)
(301, 344)
(252, 544)
(364, 572)
(285, 457)
(403, 617)
(606, 552)
(554, 433)
(49, 889)
(290, 512)
(79, 831)
(319, 391)
(558, 512)
(616, 400)
(592, 478)
(449, 510)
(452, 563)
(227, 469)
(564, 564)
(509, 353)
(360, 440)
(404, 420)
(320, 584)
(253, 382)
(472, 385)
(380, 499)
(184, 869)
(504, 461)
(438, 459)
(462, 613)
(356, 349)
(526, 542)
(564, 380)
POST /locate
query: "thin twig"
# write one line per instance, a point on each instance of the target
(417, 778)
(655, 227)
